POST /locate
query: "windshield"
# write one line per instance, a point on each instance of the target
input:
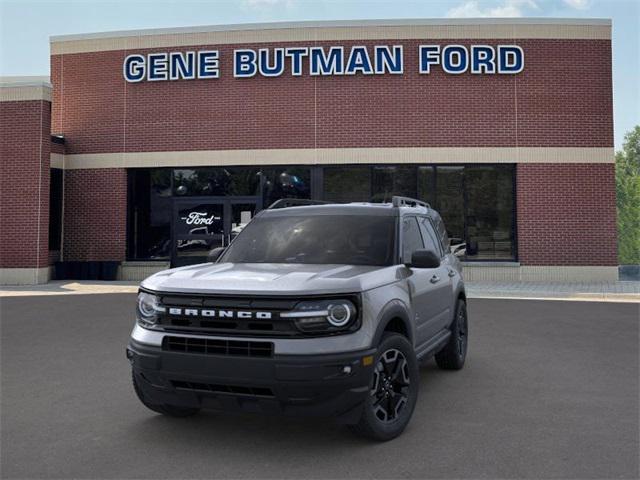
(317, 239)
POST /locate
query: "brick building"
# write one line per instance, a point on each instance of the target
(148, 148)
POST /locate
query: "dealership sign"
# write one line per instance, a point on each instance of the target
(324, 61)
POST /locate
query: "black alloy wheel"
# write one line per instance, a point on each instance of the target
(391, 383)
(393, 390)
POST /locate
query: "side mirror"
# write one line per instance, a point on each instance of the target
(424, 259)
(215, 254)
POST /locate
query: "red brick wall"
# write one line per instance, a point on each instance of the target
(57, 148)
(566, 214)
(95, 214)
(563, 98)
(24, 183)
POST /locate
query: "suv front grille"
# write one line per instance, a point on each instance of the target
(209, 346)
(214, 388)
(235, 316)
(191, 319)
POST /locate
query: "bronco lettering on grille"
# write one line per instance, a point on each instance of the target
(194, 312)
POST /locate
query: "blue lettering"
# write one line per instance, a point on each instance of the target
(455, 59)
(510, 59)
(359, 61)
(429, 55)
(181, 67)
(208, 64)
(385, 61)
(483, 59)
(244, 63)
(277, 68)
(296, 55)
(133, 68)
(321, 64)
(158, 67)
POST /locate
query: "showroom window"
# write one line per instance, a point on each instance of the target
(151, 195)
(489, 212)
(149, 214)
(285, 182)
(347, 184)
(221, 181)
(390, 180)
(475, 201)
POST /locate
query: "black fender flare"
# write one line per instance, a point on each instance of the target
(393, 309)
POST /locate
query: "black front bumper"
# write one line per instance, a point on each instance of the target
(309, 385)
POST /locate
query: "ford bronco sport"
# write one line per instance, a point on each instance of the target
(314, 309)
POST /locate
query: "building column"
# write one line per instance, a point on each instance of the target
(25, 123)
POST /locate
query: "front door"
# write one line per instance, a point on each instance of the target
(202, 224)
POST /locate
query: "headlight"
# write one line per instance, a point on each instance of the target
(324, 316)
(148, 309)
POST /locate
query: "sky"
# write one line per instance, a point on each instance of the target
(25, 26)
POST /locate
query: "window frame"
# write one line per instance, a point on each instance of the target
(401, 229)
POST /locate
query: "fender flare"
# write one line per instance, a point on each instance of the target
(393, 309)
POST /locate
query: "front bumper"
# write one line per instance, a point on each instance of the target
(311, 385)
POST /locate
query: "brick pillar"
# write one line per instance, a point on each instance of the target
(567, 218)
(25, 145)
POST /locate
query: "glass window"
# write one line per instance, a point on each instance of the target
(489, 212)
(347, 184)
(411, 238)
(429, 237)
(442, 233)
(317, 239)
(149, 221)
(285, 182)
(55, 208)
(219, 181)
(450, 200)
(427, 185)
(390, 180)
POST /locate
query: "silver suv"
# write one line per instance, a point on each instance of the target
(314, 309)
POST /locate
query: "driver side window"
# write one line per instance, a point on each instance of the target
(411, 238)
(431, 242)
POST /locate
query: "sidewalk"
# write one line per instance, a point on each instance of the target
(579, 291)
(588, 292)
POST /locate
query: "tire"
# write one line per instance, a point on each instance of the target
(453, 355)
(164, 409)
(394, 386)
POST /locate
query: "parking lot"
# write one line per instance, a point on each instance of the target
(550, 390)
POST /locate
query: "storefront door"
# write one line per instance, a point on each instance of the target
(202, 224)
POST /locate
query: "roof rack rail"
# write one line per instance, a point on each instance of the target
(295, 202)
(397, 201)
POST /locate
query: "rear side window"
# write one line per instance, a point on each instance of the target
(411, 238)
(431, 240)
(442, 232)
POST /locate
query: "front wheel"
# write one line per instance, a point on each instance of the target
(393, 390)
(453, 355)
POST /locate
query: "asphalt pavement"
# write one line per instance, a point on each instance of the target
(550, 390)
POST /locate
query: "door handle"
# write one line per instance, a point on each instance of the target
(452, 273)
(435, 279)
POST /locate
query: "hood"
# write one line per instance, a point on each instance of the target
(271, 278)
